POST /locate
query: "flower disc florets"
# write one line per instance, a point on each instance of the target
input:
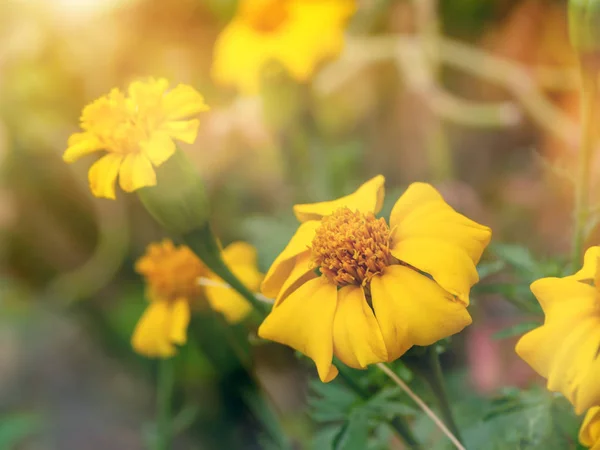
(351, 247)
(265, 16)
(171, 272)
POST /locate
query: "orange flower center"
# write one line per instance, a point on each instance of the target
(171, 272)
(264, 16)
(351, 247)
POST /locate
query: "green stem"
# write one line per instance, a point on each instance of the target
(164, 393)
(203, 242)
(589, 92)
(397, 423)
(435, 378)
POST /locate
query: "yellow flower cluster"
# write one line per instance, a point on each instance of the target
(298, 34)
(351, 286)
(173, 277)
(565, 349)
(138, 132)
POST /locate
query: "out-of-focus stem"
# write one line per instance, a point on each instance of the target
(164, 393)
(589, 114)
(436, 382)
(203, 242)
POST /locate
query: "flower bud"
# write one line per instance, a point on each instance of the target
(178, 202)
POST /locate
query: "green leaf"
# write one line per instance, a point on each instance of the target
(527, 420)
(330, 402)
(14, 429)
(515, 255)
(355, 433)
(490, 268)
(516, 330)
(389, 402)
(324, 437)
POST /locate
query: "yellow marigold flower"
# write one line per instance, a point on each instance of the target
(172, 276)
(565, 350)
(589, 434)
(137, 131)
(298, 34)
(380, 288)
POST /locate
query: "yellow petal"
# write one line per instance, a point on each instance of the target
(151, 335)
(183, 101)
(240, 53)
(357, 339)
(305, 322)
(449, 265)
(103, 174)
(564, 298)
(183, 130)
(226, 300)
(588, 394)
(538, 347)
(178, 321)
(81, 144)
(421, 212)
(589, 270)
(413, 310)
(241, 259)
(148, 93)
(367, 198)
(240, 253)
(589, 434)
(573, 361)
(301, 49)
(429, 235)
(104, 114)
(564, 350)
(284, 263)
(300, 274)
(136, 172)
(158, 148)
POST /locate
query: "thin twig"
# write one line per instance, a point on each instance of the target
(396, 379)
(516, 78)
(202, 281)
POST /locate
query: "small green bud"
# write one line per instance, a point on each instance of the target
(584, 27)
(178, 201)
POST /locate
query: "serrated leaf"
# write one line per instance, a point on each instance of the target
(330, 402)
(325, 436)
(354, 435)
(389, 402)
(530, 420)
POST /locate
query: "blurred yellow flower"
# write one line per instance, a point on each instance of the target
(137, 131)
(589, 434)
(173, 276)
(565, 349)
(380, 288)
(299, 34)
